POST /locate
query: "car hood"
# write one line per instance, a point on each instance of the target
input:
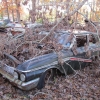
(42, 61)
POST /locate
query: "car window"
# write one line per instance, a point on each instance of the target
(61, 38)
(65, 40)
(92, 40)
(81, 40)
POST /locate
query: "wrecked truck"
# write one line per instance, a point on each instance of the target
(77, 50)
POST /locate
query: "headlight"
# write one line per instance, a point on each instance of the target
(22, 77)
(15, 75)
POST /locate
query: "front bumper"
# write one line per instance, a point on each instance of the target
(22, 85)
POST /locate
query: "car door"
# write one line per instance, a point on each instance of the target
(80, 50)
(78, 54)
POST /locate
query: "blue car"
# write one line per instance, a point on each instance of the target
(78, 50)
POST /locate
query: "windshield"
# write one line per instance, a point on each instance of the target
(62, 38)
(65, 40)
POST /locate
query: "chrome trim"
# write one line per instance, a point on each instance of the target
(35, 69)
(29, 85)
(41, 67)
(22, 85)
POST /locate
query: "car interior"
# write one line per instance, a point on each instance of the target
(81, 40)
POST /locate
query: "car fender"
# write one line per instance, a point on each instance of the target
(52, 67)
(41, 82)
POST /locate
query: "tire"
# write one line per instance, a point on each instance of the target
(44, 77)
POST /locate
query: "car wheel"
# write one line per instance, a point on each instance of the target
(45, 78)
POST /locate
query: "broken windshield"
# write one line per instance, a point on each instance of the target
(65, 40)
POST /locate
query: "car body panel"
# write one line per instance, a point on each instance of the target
(22, 85)
(66, 61)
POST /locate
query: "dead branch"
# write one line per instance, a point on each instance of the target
(70, 14)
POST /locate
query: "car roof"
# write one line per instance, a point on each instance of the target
(75, 32)
(82, 32)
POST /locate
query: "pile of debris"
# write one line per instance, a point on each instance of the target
(24, 46)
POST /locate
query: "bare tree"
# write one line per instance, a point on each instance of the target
(17, 9)
(33, 12)
(6, 7)
(12, 11)
(69, 14)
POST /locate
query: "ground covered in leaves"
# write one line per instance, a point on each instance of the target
(85, 85)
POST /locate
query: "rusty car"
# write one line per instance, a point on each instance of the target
(78, 49)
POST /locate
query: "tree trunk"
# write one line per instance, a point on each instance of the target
(13, 15)
(7, 8)
(33, 12)
(2, 14)
(12, 11)
(17, 10)
(67, 5)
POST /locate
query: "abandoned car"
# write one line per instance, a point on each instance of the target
(77, 50)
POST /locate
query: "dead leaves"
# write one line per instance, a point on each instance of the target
(82, 86)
